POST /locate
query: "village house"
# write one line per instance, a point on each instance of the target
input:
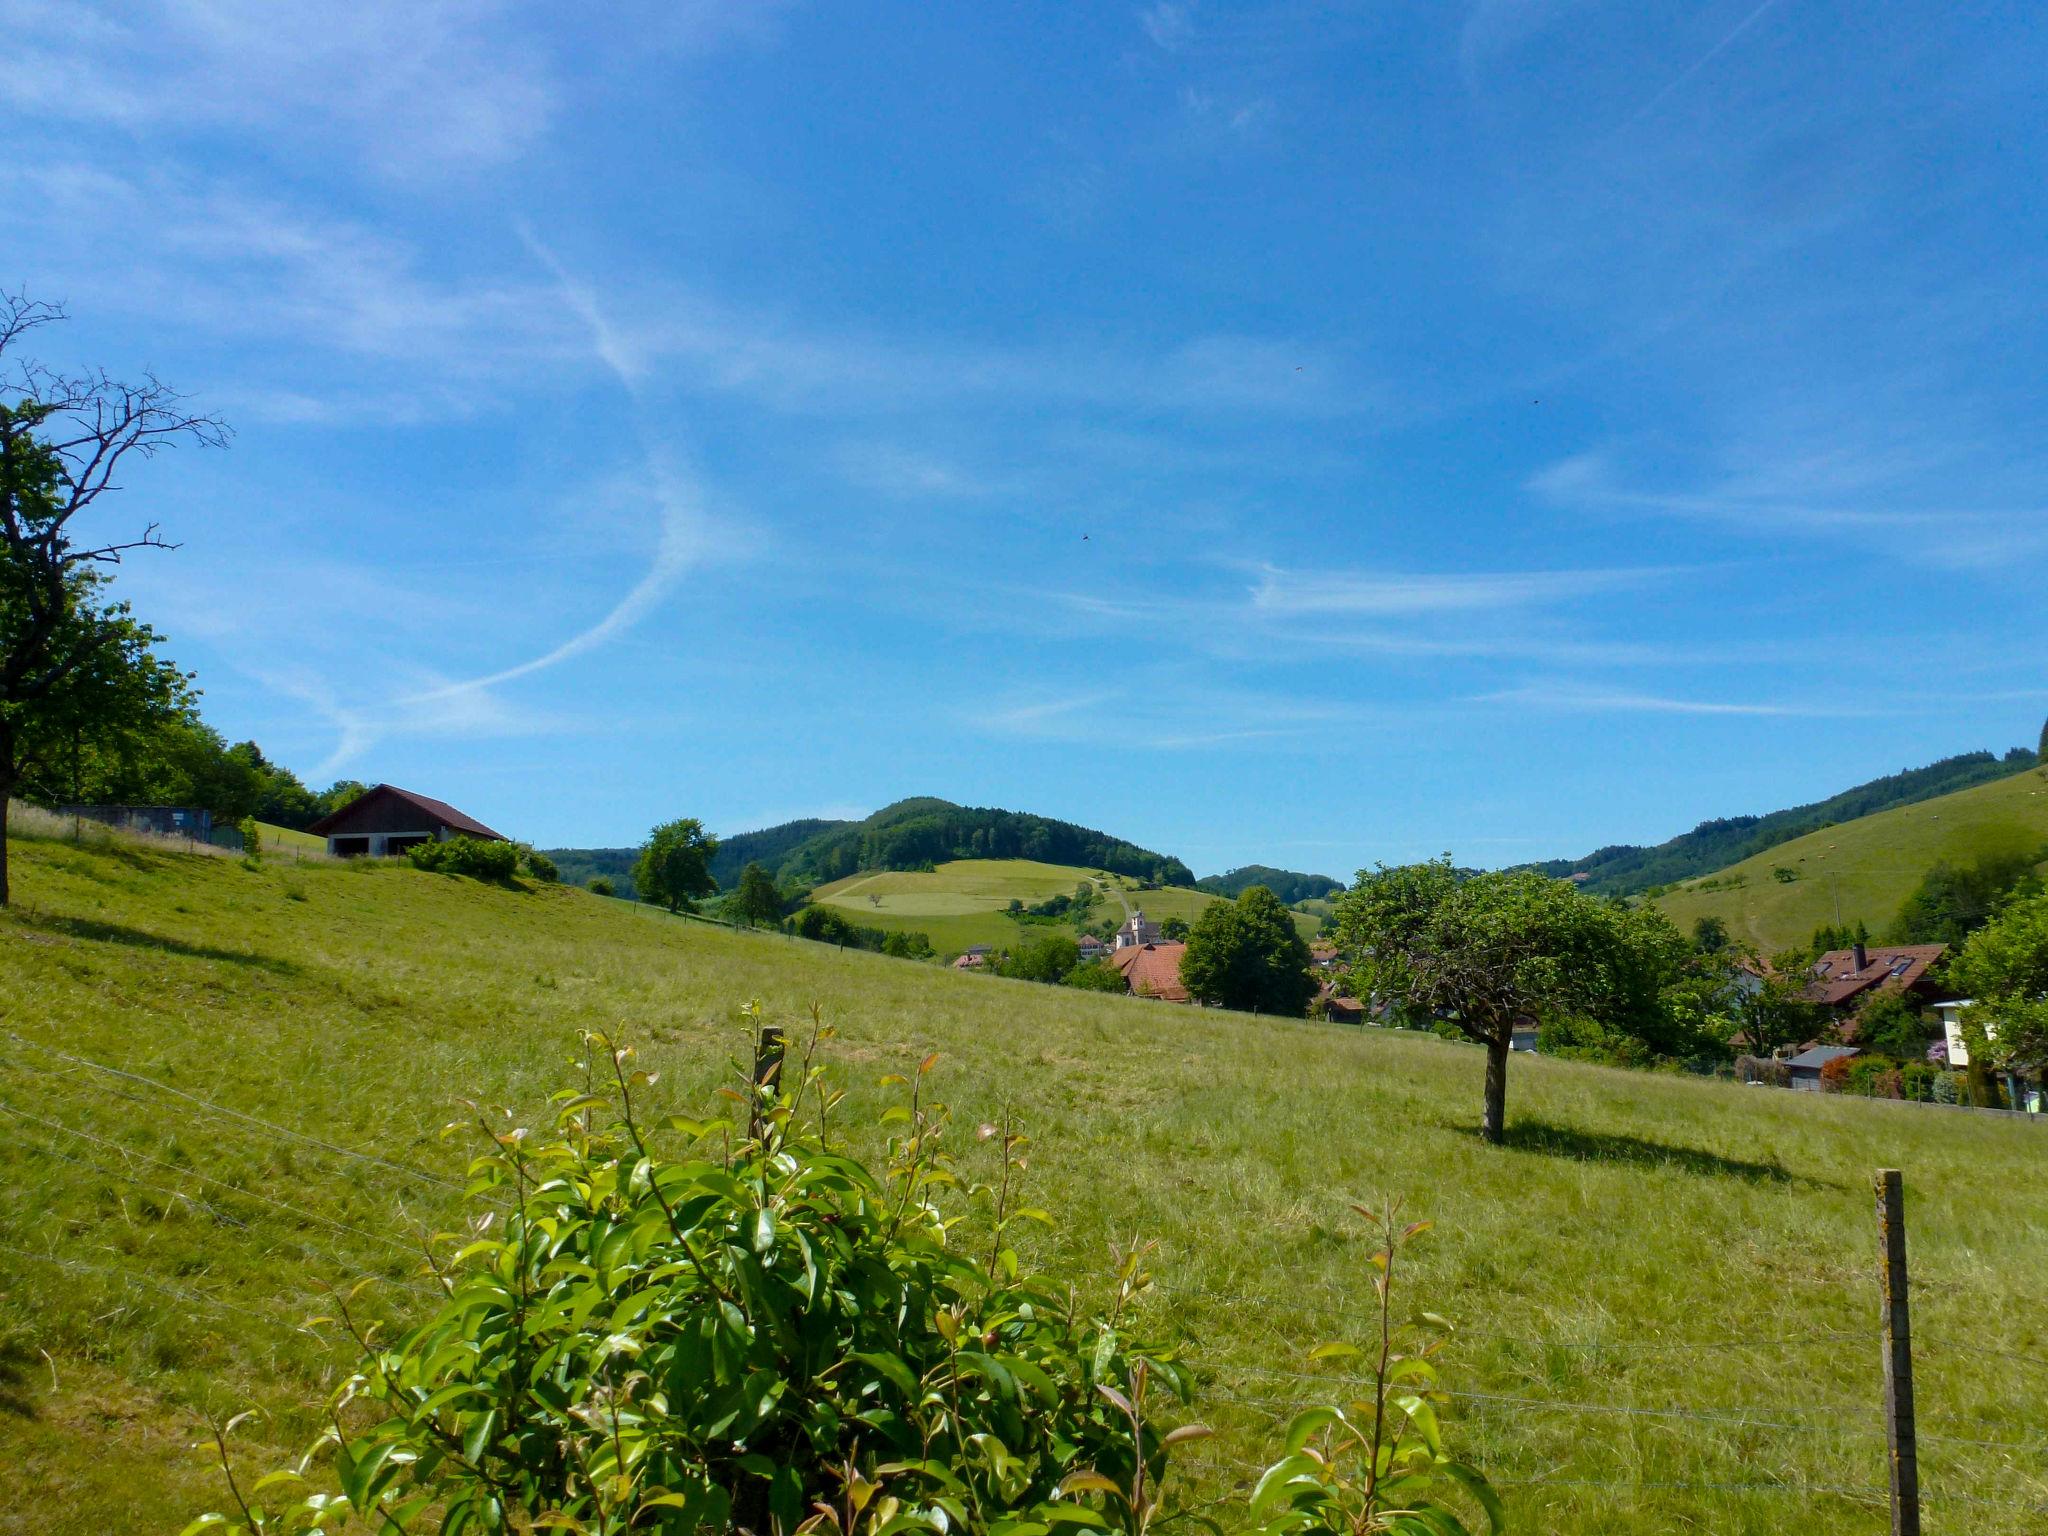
(1092, 948)
(1152, 970)
(2025, 1088)
(388, 820)
(1844, 981)
(1323, 956)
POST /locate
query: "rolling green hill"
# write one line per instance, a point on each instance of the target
(908, 835)
(1625, 869)
(1865, 868)
(223, 1089)
(963, 902)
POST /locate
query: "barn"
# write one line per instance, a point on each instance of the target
(388, 820)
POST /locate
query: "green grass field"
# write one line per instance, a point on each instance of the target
(962, 902)
(1868, 866)
(291, 844)
(1665, 1286)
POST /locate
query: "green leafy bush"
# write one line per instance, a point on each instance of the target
(479, 858)
(753, 1331)
(601, 885)
(538, 866)
(1096, 976)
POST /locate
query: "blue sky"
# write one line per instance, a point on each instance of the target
(1306, 433)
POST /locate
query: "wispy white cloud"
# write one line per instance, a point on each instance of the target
(1821, 494)
(418, 87)
(1169, 25)
(1578, 699)
(1392, 594)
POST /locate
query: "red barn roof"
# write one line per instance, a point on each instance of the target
(1153, 970)
(438, 813)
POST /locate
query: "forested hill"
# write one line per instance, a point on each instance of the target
(770, 847)
(913, 833)
(1624, 869)
(1289, 885)
(907, 835)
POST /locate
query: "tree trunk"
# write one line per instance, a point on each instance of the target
(6, 791)
(1494, 1126)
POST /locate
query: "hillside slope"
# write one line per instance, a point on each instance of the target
(1865, 868)
(1624, 869)
(1645, 1244)
(964, 901)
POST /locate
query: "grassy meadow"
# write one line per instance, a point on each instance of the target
(1869, 865)
(1665, 1287)
(962, 902)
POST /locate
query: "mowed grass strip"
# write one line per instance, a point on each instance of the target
(1695, 1260)
(1865, 868)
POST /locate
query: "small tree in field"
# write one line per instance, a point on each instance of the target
(1489, 951)
(1247, 954)
(62, 439)
(674, 867)
(757, 899)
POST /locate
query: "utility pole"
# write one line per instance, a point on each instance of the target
(1898, 1355)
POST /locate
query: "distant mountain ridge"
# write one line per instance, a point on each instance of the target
(1289, 885)
(1627, 869)
(906, 835)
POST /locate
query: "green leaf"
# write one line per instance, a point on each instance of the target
(1339, 1351)
(1482, 1493)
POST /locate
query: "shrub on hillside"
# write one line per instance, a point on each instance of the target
(676, 1326)
(479, 858)
(538, 866)
(1096, 976)
(642, 1332)
(601, 885)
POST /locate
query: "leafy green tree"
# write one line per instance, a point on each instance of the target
(674, 867)
(2004, 969)
(1096, 976)
(1709, 935)
(1486, 952)
(112, 697)
(601, 885)
(1047, 957)
(1775, 1015)
(1891, 1024)
(1175, 930)
(2041, 751)
(1953, 901)
(340, 793)
(757, 900)
(1248, 955)
(62, 442)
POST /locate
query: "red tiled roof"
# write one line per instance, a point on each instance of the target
(441, 811)
(1897, 967)
(1153, 970)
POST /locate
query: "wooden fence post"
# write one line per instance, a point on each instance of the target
(767, 1071)
(1898, 1355)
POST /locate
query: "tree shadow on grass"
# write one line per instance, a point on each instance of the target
(136, 938)
(14, 1394)
(1608, 1147)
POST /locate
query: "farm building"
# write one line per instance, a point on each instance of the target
(388, 820)
(1091, 948)
(1806, 1066)
(1152, 970)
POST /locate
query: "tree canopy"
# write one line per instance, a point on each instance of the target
(1487, 952)
(757, 900)
(1247, 954)
(674, 867)
(2003, 968)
